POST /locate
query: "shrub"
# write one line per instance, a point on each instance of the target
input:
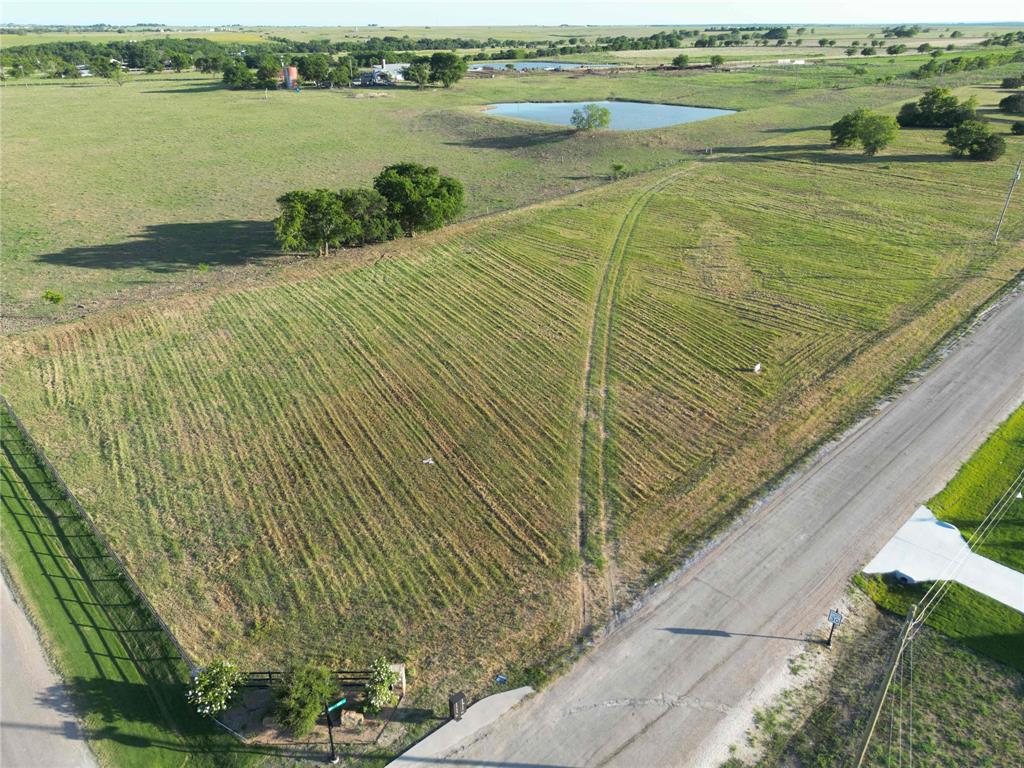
(54, 297)
(1012, 82)
(1017, 129)
(682, 60)
(214, 687)
(302, 696)
(1013, 104)
(975, 139)
(378, 688)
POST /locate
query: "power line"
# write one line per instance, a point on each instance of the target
(942, 585)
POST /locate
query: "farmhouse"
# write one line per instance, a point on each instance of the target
(393, 72)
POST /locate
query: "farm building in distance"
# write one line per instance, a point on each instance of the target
(383, 74)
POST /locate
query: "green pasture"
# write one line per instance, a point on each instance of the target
(125, 678)
(115, 193)
(982, 623)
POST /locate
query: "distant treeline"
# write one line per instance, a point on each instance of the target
(62, 58)
(940, 65)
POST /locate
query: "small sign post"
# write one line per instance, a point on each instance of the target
(328, 708)
(835, 618)
(457, 705)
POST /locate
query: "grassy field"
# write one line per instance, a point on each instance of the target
(125, 677)
(257, 452)
(967, 708)
(459, 449)
(979, 621)
(80, 218)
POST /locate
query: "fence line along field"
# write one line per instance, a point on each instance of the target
(386, 458)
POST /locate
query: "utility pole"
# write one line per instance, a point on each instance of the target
(880, 699)
(1013, 183)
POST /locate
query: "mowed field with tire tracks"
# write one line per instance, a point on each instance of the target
(461, 450)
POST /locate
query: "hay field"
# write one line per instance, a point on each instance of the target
(574, 372)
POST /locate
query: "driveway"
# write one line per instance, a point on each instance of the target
(37, 729)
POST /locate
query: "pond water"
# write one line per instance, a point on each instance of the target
(626, 115)
(485, 66)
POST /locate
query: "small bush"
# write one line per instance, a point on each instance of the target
(378, 689)
(214, 687)
(302, 696)
(1017, 129)
(54, 297)
(1013, 104)
(1012, 82)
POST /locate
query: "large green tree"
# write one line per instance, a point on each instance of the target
(447, 68)
(976, 140)
(590, 117)
(419, 197)
(315, 68)
(862, 126)
(313, 220)
(368, 211)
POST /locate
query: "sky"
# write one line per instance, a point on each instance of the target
(506, 12)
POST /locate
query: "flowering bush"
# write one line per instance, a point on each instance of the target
(214, 686)
(378, 688)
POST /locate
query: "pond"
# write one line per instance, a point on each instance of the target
(554, 66)
(626, 115)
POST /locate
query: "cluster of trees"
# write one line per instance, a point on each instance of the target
(440, 67)
(405, 198)
(966, 135)
(299, 698)
(151, 55)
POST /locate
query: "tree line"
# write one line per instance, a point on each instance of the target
(405, 198)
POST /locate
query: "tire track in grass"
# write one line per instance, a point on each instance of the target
(591, 502)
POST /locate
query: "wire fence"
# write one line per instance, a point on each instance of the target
(103, 570)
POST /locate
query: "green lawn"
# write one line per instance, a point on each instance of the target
(124, 676)
(979, 621)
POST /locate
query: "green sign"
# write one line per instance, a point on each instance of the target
(335, 705)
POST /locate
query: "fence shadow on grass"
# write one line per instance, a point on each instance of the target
(170, 248)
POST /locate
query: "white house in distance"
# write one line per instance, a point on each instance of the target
(393, 72)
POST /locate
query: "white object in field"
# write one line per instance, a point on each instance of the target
(927, 549)
(1020, 495)
(427, 460)
(757, 368)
